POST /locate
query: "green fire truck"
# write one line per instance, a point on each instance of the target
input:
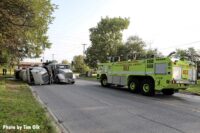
(149, 76)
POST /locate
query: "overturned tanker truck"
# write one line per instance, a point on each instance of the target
(47, 74)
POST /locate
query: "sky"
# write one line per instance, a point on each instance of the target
(163, 24)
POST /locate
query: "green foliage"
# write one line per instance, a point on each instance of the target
(181, 53)
(153, 52)
(190, 54)
(123, 52)
(134, 48)
(105, 39)
(65, 62)
(79, 64)
(194, 89)
(23, 26)
(4, 57)
(19, 107)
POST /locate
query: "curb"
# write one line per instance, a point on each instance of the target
(59, 127)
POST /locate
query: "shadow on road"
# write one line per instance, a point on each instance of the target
(158, 95)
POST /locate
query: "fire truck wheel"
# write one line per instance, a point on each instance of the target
(104, 82)
(133, 85)
(147, 88)
(168, 92)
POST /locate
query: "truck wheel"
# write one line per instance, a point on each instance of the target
(57, 80)
(168, 92)
(133, 85)
(147, 88)
(104, 82)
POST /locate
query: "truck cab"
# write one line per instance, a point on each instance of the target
(60, 73)
(64, 74)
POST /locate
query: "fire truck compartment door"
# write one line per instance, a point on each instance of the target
(116, 79)
(177, 73)
(109, 79)
(192, 74)
(119, 80)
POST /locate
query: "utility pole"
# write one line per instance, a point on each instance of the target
(84, 49)
(43, 49)
(52, 57)
(42, 60)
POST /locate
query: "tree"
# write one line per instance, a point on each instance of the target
(180, 53)
(193, 54)
(136, 47)
(153, 53)
(105, 39)
(23, 26)
(190, 54)
(79, 64)
(65, 62)
(123, 52)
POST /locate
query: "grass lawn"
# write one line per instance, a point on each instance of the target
(19, 107)
(93, 78)
(194, 88)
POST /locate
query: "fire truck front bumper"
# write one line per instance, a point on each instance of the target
(177, 86)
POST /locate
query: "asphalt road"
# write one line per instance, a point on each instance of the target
(86, 107)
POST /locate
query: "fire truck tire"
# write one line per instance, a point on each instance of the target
(168, 92)
(133, 85)
(104, 82)
(147, 88)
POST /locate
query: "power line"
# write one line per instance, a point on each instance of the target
(181, 45)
